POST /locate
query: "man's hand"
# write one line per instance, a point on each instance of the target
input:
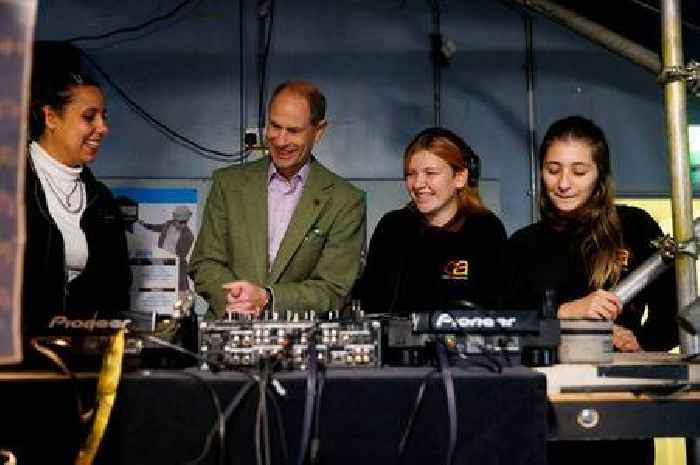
(245, 297)
(598, 305)
(624, 340)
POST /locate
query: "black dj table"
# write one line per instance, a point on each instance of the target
(162, 417)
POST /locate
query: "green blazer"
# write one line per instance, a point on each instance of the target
(318, 260)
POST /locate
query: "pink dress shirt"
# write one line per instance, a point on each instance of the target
(282, 198)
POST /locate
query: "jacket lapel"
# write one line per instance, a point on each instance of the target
(254, 220)
(313, 199)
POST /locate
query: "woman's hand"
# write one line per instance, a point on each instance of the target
(624, 340)
(598, 305)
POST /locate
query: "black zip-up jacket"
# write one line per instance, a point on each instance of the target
(102, 289)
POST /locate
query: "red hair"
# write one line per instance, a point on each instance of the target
(451, 148)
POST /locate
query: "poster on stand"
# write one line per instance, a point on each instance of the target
(161, 224)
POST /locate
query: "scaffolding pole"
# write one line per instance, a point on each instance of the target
(679, 166)
(681, 188)
(597, 33)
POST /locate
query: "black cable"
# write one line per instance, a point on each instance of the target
(414, 412)
(311, 383)
(199, 149)
(219, 414)
(266, 426)
(488, 356)
(503, 345)
(496, 365)
(262, 76)
(449, 384)
(493, 366)
(263, 382)
(136, 28)
(280, 424)
(242, 78)
(58, 362)
(214, 365)
(227, 414)
(258, 416)
(316, 440)
(262, 432)
(262, 429)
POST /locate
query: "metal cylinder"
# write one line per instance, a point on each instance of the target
(597, 33)
(641, 277)
(677, 135)
(681, 191)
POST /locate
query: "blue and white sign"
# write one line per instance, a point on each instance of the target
(161, 224)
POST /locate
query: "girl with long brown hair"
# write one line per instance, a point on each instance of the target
(583, 245)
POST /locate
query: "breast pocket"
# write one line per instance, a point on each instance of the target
(307, 255)
(313, 243)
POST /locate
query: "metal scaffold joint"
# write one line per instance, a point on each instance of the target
(668, 247)
(689, 73)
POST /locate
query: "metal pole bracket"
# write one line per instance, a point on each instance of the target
(668, 248)
(689, 248)
(689, 73)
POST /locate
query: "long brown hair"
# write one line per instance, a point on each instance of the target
(448, 146)
(596, 220)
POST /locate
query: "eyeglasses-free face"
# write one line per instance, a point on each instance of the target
(73, 136)
(569, 174)
(434, 186)
(290, 132)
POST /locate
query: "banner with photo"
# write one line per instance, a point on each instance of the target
(17, 19)
(161, 224)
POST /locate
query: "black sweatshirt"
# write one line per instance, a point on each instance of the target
(413, 266)
(539, 257)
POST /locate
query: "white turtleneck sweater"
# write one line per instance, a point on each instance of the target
(63, 182)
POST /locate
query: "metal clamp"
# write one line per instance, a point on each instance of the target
(667, 247)
(689, 247)
(689, 73)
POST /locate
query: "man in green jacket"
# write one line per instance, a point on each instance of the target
(281, 233)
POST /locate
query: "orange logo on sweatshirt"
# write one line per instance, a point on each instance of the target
(456, 269)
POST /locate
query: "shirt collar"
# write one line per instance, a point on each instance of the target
(301, 175)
